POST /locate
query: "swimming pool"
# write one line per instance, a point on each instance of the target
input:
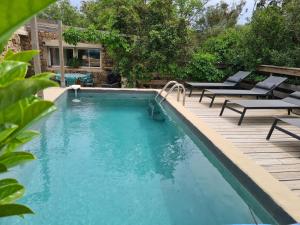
(107, 160)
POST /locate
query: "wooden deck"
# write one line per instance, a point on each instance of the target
(280, 156)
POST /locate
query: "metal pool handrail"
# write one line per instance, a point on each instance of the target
(165, 87)
(179, 88)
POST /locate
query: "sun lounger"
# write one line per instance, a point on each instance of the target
(261, 89)
(290, 120)
(291, 102)
(230, 82)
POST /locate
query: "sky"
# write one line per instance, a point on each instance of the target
(243, 18)
(247, 12)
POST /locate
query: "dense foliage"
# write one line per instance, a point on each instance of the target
(164, 37)
(202, 67)
(272, 37)
(153, 38)
(142, 38)
(217, 18)
(19, 105)
(227, 48)
(63, 10)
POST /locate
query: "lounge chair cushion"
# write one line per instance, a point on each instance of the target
(295, 94)
(265, 85)
(234, 79)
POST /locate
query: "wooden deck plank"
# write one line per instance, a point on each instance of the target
(283, 168)
(280, 156)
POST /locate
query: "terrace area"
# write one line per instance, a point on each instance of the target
(280, 156)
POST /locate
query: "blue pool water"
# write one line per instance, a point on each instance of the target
(106, 161)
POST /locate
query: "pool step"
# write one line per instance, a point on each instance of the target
(155, 112)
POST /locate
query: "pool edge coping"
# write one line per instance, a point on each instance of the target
(288, 202)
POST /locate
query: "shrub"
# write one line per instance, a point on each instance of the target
(267, 33)
(202, 68)
(227, 48)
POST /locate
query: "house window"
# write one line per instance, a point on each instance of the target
(54, 56)
(68, 56)
(86, 57)
(89, 57)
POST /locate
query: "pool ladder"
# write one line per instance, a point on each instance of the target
(180, 89)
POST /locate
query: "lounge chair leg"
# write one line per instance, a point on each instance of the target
(242, 117)
(223, 107)
(272, 129)
(203, 91)
(212, 101)
(191, 92)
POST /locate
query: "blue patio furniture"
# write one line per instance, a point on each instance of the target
(88, 80)
(71, 78)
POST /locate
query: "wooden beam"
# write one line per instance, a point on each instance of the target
(279, 70)
(35, 46)
(61, 54)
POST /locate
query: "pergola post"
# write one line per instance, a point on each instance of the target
(35, 46)
(61, 54)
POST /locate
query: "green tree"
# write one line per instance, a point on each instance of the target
(266, 3)
(190, 10)
(272, 37)
(228, 48)
(219, 17)
(202, 67)
(154, 36)
(63, 10)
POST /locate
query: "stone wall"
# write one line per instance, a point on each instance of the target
(14, 44)
(26, 45)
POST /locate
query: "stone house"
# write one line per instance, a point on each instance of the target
(93, 58)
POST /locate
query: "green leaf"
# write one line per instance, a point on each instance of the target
(36, 110)
(10, 193)
(11, 159)
(45, 75)
(17, 12)
(21, 138)
(24, 56)
(3, 44)
(6, 130)
(8, 53)
(14, 210)
(12, 70)
(26, 136)
(8, 181)
(14, 113)
(21, 89)
(3, 168)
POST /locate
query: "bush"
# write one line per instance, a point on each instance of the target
(202, 68)
(227, 47)
(267, 33)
